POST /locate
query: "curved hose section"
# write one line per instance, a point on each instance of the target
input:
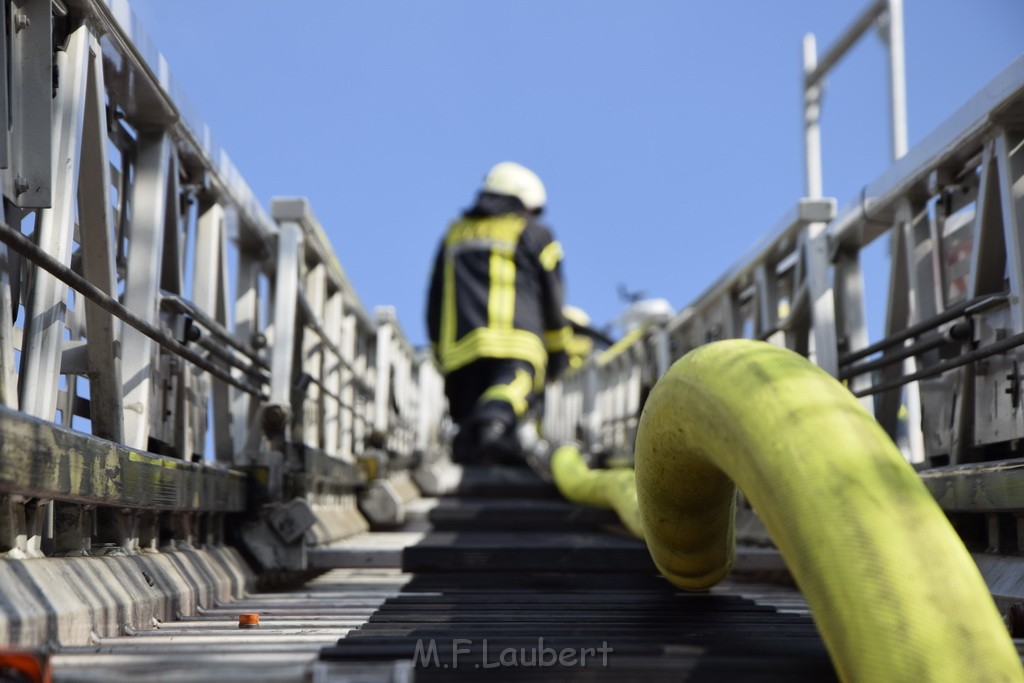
(613, 488)
(893, 590)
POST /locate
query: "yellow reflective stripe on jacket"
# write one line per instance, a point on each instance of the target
(484, 342)
(505, 228)
(448, 315)
(551, 255)
(514, 393)
(556, 340)
(499, 234)
(501, 299)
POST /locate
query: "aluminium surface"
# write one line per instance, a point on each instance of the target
(298, 210)
(39, 457)
(781, 239)
(501, 563)
(140, 80)
(1000, 102)
(140, 75)
(996, 486)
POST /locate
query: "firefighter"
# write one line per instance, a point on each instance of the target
(494, 313)
(580, 344)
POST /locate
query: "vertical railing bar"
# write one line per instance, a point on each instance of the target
(97, 227)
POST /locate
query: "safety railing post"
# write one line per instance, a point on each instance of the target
(249, 328)
(812, 118)
(333, 370)
(893, 35)
(823, 316)
(385, 366)
(432, 407)
(152, 194)
(277, 414)
(210, 293)
(47, 300)
(313, 354)
(96, 225)
(9, 269)
(1009, 159)
(28, 139)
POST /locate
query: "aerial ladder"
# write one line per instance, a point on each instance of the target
(215, 462)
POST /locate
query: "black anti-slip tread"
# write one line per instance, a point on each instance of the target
(519, 551)
(505, 514)
(511, 574)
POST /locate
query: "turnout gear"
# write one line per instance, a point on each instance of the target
(580, 345)
(496, 290)
(494, 313)
(487, 399)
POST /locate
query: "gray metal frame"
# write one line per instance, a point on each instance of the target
(953, 210)
(141, 399)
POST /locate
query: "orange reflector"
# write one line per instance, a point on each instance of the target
(31, 667)
(248, 620)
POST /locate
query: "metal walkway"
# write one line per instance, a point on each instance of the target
(502, 578)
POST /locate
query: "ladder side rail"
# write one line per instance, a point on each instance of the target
(166, 333)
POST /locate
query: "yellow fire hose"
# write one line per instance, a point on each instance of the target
(894, 592)
(613, 488)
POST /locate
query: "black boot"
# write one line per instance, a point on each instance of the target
(498, 443)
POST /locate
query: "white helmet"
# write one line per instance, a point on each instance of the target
(576, 315)
(514, 180)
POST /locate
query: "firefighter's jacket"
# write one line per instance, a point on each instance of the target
(496, 289)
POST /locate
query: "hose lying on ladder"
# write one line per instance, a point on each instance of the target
(612, 488)
(893, 591)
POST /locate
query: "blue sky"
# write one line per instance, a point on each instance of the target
(668, 134)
